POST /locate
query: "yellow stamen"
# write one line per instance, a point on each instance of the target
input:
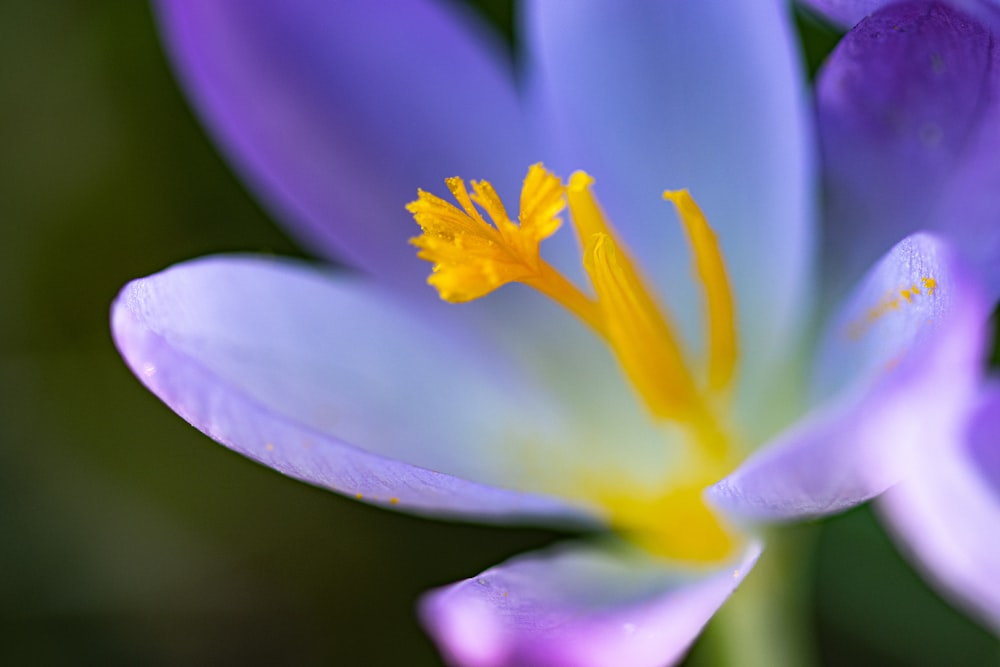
(588, 218)
(472, 257)
(711, 272)
(639, 332)
(640, 337)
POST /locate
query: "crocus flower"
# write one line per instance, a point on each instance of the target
(909, 118)
(678, 413)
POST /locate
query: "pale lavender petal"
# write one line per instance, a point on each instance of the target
(578, 606)
(908, 107)
(895, 370)
(946, 514)
(704, 95)
(328, 380)
(336, 112)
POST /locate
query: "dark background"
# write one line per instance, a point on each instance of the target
(126, 537)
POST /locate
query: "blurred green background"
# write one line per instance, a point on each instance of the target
(126, 537)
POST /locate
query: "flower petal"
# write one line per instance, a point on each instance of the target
(895, 370)
(336, 112)
(578, 605)
(907, 109)
(846, 12)
(708, 96)
(287, 365)
(947, 512)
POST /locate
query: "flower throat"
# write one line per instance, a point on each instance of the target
(472, 257)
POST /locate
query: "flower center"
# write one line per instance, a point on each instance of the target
(472, 257)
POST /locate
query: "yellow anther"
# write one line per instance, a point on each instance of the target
(639, 332)
(641, 338)
(711, 271)
(588, 218)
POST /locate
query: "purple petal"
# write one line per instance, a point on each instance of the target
(907, 110)
(336, 112)
(895, 371)
(287, 365)
(946, 513)
(846, 12)
(703, 95)
(578, 606)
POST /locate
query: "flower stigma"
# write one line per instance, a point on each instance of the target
(472, 256)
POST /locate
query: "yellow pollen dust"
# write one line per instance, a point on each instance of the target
(893, 300)
(475, 247)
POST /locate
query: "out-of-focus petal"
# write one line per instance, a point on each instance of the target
(845, 13)
(704, 95)
(848, 13)
(336, 112)
(895, 370)
(947, 512)
(578, 606)
(908, 107)
(331, 382)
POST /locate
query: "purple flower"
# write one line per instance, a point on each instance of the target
(680, 414)
(908, 120)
